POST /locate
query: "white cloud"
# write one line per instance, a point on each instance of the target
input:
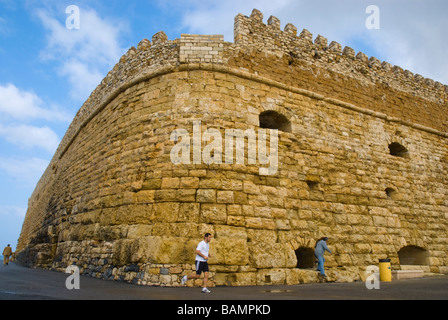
(23, 105)
(26, 136)
(82, 77)
(25, 172)
(17, 108)
(84, 55)
(413, 36)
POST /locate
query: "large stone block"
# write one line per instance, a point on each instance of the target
(155, 250)
(272, 255)
(213, 213)
(229, 252)
(165, 212)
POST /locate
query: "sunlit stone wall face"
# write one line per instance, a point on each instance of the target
(268, 143)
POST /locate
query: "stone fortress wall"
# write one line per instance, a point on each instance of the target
(362, 159)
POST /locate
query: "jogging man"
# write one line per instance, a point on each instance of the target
(202, 256)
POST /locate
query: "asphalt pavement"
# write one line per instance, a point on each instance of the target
(19, 283)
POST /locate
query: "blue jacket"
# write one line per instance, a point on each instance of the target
(321, 247)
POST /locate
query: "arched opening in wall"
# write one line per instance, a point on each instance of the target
(398, 150)
(391, 193)
(274, 120)
(305, 258)
(312, 185)
(413, 255)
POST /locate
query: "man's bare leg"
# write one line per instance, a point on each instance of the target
(205, 279)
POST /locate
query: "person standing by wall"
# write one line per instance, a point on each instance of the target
(7, 252)
(319, 250)
(202, 256)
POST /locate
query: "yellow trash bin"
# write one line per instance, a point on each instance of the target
(385, 272)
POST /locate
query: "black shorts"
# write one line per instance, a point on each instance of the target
(201, 266)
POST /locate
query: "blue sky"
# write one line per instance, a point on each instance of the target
(47, 71)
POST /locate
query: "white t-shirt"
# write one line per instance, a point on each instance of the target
(203, 247)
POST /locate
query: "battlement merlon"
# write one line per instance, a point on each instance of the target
(196, 48)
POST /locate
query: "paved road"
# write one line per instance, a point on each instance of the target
(18, 283)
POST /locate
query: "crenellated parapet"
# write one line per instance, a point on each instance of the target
(252, 32)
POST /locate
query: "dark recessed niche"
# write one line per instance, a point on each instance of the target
(413, 255)
(398, 150)
(391, 193)
(274, 120)
(305, 258)
(312, 185)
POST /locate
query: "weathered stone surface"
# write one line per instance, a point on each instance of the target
(233, 252)
(272, 255)
(362, 159)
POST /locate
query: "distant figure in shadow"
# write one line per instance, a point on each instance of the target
(7, 252)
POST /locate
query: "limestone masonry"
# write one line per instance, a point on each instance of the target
(362, 159)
